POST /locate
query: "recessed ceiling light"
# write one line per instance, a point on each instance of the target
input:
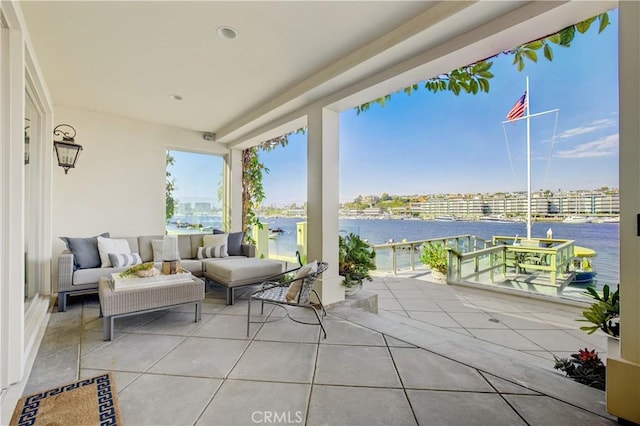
(227, 33)
(175, 97)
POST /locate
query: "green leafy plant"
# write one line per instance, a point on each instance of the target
(170, 186)
(604, 313)
(474, 78)
(584, 367)
(140, 267)
(435, 256)
(355, 259)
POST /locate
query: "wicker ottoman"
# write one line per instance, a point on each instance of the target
(122, 303)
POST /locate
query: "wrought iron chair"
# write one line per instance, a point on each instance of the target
(276, 292)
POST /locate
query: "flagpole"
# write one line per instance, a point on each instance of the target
(528, 99)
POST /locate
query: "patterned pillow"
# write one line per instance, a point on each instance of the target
(122, 260)
(213, 251)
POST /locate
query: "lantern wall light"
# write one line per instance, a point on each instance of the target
(67, 150)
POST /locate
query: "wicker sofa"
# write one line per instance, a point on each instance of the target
(73, 279)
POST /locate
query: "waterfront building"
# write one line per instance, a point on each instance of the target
(542, 205)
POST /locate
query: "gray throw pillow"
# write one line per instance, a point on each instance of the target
(234, 243)
(85, 251)
(217, 231)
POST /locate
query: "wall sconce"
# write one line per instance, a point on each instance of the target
(67, 150)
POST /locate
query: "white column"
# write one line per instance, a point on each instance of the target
(12, 97)
(623, 371)
(323, 146)
(233, 199)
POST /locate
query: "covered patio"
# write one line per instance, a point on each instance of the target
(489, 360)
(113, 71)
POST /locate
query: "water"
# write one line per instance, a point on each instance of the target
(604, 238)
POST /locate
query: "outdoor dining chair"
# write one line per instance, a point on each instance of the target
(292, 292)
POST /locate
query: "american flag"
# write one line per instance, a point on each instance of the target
(518, 109)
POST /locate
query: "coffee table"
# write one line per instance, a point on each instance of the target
(121, 303)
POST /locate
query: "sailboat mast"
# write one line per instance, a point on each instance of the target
(528, 99)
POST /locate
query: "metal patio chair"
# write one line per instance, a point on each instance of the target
(275, 293)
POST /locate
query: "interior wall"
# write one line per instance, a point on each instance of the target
(118, 184)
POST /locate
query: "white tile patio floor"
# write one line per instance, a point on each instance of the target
(433, 355)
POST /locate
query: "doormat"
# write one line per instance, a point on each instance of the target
(91, 401)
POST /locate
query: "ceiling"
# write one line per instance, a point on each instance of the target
(127, 58)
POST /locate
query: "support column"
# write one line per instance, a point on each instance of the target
(12, 99)
(323, 146)
(233, 198)
(623, 369)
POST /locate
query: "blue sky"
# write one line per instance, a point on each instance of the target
(438, 143)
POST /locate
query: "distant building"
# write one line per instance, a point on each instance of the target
(515, 204)
(202, 207)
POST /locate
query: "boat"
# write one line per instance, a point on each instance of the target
(499, 218)
(575, 219)
(445, 218)
(583, 265)
(613, 219)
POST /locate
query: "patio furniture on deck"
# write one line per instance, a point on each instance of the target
(295, 292)
(121, 303)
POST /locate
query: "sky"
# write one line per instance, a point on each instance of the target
(430, 143)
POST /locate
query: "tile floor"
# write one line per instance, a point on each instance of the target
(433, 355)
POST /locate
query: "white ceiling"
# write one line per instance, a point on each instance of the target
(126, 58)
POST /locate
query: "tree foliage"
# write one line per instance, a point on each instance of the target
(170, 186)
(252, 187)
(474, 78)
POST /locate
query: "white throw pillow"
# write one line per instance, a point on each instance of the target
(306, 270)
(111, 245)
(158, 251)
(214, 251)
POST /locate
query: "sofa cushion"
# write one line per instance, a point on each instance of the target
(85, 251)
(111, 245)
(184, 246)
(123, 260)
(92, 275)
(241, 271)
(192, 265)
(234, 243)
(144, 244)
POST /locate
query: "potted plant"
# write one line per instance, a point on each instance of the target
(355, 259)
(435, 256)
(604, 314)
(584, 367)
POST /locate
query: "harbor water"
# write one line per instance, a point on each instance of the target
(604, 238)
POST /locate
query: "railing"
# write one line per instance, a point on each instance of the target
(405, 251)
(544, 262)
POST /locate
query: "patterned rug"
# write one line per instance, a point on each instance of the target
(91, 401)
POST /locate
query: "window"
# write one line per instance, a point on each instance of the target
(195, 192)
